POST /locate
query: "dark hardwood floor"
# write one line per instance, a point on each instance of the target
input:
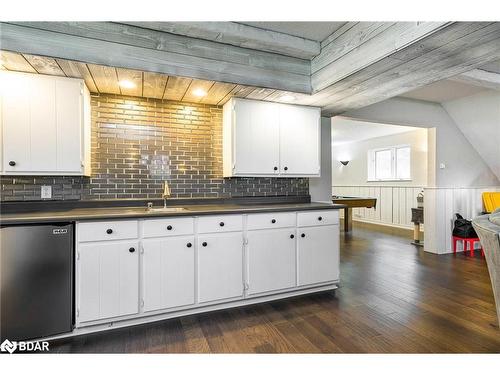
(393, 298)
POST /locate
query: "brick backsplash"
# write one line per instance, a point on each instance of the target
(138, 143)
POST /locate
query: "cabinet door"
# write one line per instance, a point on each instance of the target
(256, 138)
(168, 272)
(15, 122)
(43, 132)
(271, 260)
(69, 123)
(318, 254)
(108, 280)
(220, 266)
(299, 140)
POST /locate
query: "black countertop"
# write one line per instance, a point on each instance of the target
(55, 213)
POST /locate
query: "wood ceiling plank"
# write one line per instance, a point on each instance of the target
(154, 85)
(44, 65)
(356, 82)
(452, 58)
(217, 92)
(260, 93)
(239, 91)
(462, 61)
(75, 69)
(176, 88)
(398, 36)
(105, 78)
(130, 76)
(133, 47)
(196, 84)
(345, 43)
(15, 62)
(240, 35)
(281, 97)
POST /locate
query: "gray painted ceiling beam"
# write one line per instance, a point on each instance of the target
(132, 47)
(239, 35)
(363, 45)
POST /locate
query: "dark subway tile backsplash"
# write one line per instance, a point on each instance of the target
(138, 143)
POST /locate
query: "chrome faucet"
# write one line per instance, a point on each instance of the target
(166, 193)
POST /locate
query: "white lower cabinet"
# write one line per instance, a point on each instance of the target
(220, 266)
(168, 272)
(317, 254)
(197, 262)
(271, 260)
(108, 279)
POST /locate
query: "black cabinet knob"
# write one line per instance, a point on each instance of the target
(286, 168)
(292, 236)
(320, 218)
(302, 235)
(131, 250)
(169, 227)
(189, 244)
(204, 244)
(109, 231)
(273, 221)
(275, 168)
(12, 163)
(221, 223)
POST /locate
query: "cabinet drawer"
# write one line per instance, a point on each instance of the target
(107, 230)
(313, 218)
(223, 223)
(271, 220)
(168, 227)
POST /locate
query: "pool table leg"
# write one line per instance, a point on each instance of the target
(347, 219)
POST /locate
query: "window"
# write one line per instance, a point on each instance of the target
(389, 164)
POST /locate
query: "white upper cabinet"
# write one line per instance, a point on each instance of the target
(270, 139)
(299, 140)
(45, 125)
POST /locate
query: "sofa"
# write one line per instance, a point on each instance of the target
(488, 229)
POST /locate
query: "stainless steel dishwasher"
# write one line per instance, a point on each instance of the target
(36, 280)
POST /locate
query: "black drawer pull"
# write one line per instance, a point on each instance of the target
(286, 168)
(275, 168)
(109, 231)
(302, 235)
(273, 221)
(169, 227)
(221, 223)
(292, 236)
(320, 218)
(12, 163)
(189, 244)
(204, 244)
(131, 250)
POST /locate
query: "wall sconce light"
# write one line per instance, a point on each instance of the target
(344, 162)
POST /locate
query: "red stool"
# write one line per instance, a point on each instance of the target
(468, 244)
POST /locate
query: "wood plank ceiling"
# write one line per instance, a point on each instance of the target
(102, 79)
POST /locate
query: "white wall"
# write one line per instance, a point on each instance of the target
(320, 188)
(478, 118)
(465, 170)
(464, 165)
(356, 172)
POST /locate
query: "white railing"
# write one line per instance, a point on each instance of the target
(441, 204)
(394, 203)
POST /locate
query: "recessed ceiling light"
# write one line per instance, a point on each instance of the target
(126, 84)
(287, 98)
(199, 92)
